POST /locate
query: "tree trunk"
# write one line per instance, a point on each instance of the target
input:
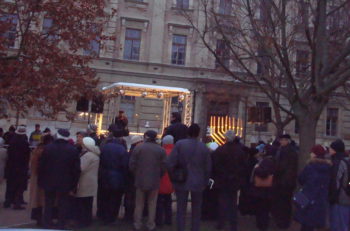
(307, 137)
(279, 129)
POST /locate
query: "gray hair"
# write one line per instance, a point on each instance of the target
(230, 135)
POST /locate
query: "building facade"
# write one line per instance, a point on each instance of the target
(156, 45)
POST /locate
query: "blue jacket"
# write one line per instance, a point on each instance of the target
(196, 157)
(113, 165)
(315, 181)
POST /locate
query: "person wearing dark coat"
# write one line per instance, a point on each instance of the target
(121, 122)
(58, 174)
(112, 178)
(9, 134)
(314, 180)
(261, 196)
(285, 181)
(195, 155)
(17, 168)
(338, 197)
(229, 166)
(177, 129)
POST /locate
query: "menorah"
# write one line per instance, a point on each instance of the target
(219, 125)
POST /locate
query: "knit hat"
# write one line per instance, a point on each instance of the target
(213, 146)
(136, 139)
(169, 139)
(285, 136)
(338, 145)
(63, 134)
(21, 130)
(89, 143)
(230, 135)
(318, 150)
(150, 134)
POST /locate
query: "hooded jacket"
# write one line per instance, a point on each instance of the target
(89, 164)
(314, 180)
(339, 179)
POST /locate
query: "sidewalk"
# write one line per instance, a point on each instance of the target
(21, 218)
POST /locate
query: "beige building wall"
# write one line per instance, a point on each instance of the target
(158, 21)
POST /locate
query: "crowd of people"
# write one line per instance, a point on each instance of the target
(222, 181)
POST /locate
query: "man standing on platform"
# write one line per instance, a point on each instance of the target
(177, 129)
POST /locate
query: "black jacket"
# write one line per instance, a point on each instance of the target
(59, 167)
(17, 165)
(178, 130)
(286, 168)
(229, 166)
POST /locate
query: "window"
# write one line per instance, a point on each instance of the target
(178, 54)
(132, 44)
(10, 35)
(302, 63)
(263, 62)
(127, 104)
(94, 47)
(222, 51)
(225, 7)
(47, 29)
(261, 127)
(183, 4)
(332, 122)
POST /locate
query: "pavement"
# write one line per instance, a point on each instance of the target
(10, 218)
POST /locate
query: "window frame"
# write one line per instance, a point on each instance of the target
(261, 127)
(175, 45)
(225, 7)
(181, 5)
(132, 39)
(225, 56)
(11, 34)
(332, 122)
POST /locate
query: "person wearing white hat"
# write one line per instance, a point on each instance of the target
(87, 185)
(59, 172)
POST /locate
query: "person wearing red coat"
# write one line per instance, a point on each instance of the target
(164, 210)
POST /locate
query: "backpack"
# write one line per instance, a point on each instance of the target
(347, 187)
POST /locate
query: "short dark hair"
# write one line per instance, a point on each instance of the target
(194, 130)
(37, 125)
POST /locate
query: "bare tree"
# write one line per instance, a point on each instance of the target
(296, 52)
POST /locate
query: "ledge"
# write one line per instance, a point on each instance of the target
(134, 3)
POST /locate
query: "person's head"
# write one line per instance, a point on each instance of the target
(318, 151)
(12, 128)
(121, 113)
(47, 131)
(37, 127)
(135, 140)
(63, 134)
(284, 140)
(194, 130)
(230, 135)
(80, 136)
(47, 139)
(21, 130)
(150, 136)
(168, 139)
(175, 117)
(337, 146)
(89, 143)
